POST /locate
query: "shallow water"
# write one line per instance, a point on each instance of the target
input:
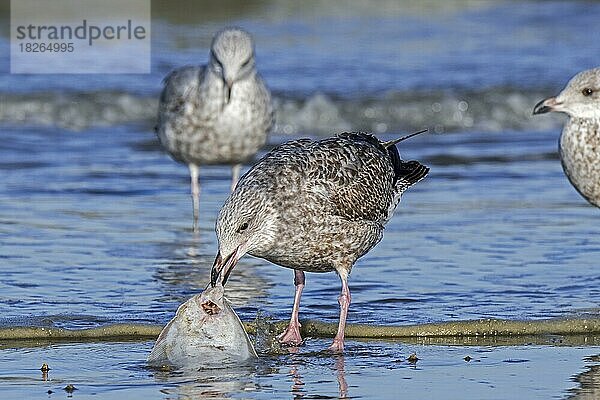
(95, 222)
(367, 370)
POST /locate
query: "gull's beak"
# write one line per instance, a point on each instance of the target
(223, 267)
(547, 105)
(228, 85)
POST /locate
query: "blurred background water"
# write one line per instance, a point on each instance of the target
(95, 219)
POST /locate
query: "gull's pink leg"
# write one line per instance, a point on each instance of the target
(194, 172)
(291, 335)
(344, 300)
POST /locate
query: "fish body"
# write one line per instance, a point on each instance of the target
(205, 333)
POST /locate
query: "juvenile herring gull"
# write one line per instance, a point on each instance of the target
(579, 143)
(218, 113)
(314, 206)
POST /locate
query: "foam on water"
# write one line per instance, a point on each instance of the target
(489, 110)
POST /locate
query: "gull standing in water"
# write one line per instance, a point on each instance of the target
(314, 206)
(218, 113)
(579, 143)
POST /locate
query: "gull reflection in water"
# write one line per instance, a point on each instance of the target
(589, 381)
(340, 366)
(299, 389)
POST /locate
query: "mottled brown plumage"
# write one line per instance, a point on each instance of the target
(315, 206)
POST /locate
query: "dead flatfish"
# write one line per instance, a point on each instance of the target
(205, 333)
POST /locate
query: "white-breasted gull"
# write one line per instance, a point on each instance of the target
(314, 206)
(218, 113)
(579, 143)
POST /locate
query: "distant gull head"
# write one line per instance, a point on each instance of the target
(232, 55)
(579, 142)
(579, 99)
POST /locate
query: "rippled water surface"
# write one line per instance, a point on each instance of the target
(95, 219)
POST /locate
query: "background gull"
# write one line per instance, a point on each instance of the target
(579, 143)
(219, 113)
(315, 206)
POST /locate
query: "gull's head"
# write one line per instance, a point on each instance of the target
(247, 223)
(232, 56)
(579, 99)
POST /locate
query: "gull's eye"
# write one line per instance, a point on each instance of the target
(243, 227)
(245, 64)
(587, 92)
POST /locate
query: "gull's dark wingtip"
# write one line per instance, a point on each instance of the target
(411, 172)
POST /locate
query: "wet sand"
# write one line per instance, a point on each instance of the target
(481, 330)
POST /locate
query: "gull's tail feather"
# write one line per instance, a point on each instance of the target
(396, 141)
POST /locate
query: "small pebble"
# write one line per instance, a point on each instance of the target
(468, 358)
(49, 391)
